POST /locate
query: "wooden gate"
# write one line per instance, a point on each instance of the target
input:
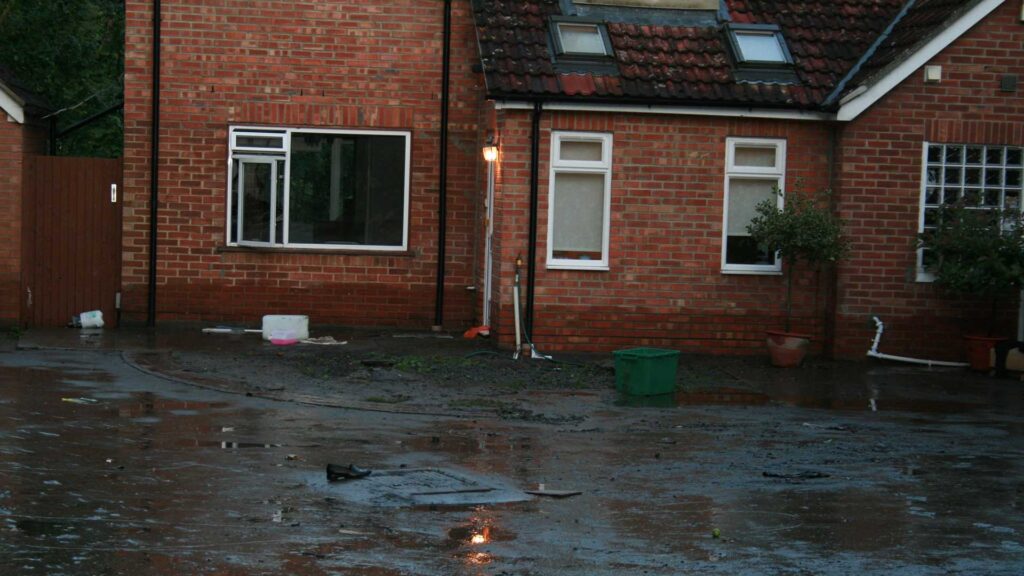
(71, 239)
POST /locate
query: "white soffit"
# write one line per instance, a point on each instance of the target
(854, 106)
(11, 104)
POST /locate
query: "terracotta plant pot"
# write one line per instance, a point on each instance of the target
(979, 351)
(787, 349)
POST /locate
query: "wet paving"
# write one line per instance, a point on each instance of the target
(105, 470)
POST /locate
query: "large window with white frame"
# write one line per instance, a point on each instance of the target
(755, 171)
(579, 200)
(314, 188)
(974, 176)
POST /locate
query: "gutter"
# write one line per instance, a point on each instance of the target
(154, 169)
(531, 265)
(442, 207)
(640, 108)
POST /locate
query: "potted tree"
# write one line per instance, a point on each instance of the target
(804, 232)
(976, 253)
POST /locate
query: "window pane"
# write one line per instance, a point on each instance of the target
(756, 156)
(347, 189)
(576, 150)
(1013, 156)
(744, 195)
(975, 155)
(257, 190)
(577, 217)
(955, 154)
(760, 47)
(581, 39)
(272, 142)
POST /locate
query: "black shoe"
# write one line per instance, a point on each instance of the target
(350, 472)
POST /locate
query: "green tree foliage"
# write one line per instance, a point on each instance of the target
(976, 253)
(71, 54)
(803, 231)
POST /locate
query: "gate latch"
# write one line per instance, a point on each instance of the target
(113, 193)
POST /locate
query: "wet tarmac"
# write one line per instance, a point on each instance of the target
(106, 470)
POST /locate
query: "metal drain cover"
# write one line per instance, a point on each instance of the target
(427, 486)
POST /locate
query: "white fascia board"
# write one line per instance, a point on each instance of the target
(853, 107)
(766, 113)
(11, 104)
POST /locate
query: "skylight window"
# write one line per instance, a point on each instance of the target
(759, 44)
(758, 47)
(588, 39)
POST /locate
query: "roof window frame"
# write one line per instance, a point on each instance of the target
(559, 50)
(763, 30)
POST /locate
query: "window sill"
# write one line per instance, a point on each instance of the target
(753, 272)
(925, 277)
(604, 268)
(223, 249)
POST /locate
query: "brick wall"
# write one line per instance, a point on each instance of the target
(880, 188)
(665, 286)
(11, 153)
(331, 64)
(16, 141)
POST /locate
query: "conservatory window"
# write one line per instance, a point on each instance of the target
(975, 176)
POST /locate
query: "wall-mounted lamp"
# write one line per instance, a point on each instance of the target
(490, 149)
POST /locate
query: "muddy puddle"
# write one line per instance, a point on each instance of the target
(741, 397)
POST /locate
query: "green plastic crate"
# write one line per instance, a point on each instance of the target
(645, 371)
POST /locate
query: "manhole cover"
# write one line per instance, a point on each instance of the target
(427, 486)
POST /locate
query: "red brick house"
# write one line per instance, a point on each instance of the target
(312, 161)
(21, 133)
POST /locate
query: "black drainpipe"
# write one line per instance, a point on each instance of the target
(442, 208)
(531, 266)
(831, 271)
(154, 167)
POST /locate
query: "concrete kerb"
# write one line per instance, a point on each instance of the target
(134, 360)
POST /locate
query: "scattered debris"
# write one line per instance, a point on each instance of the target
(294, 457)
(350, 472)
(544, 491)
(324, 341)
(284, 337)
(798, 476)
(554, 493)
(90, 319)
(483, 331)
(80, 400)
(458, 491)
(230, 330)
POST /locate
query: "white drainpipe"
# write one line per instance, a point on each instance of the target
(874, 353)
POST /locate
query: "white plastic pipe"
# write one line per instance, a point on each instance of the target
(515, 312)
(874, 353)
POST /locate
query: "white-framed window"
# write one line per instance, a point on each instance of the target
(318, 188)
(977, 176)
(581, 39)
(755, 170)
(579, 200)
(758, 44)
